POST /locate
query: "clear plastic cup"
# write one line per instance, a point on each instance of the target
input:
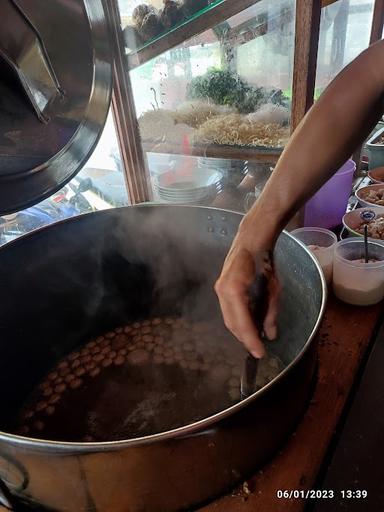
(355, 281)
(322, 243)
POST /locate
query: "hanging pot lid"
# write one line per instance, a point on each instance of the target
(55, 89)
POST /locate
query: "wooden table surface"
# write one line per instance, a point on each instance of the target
(344, 337)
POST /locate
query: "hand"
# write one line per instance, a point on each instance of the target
(240, 268)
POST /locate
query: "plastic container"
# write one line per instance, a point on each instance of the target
(328, 205)
(321, 242)
(374, 151)
(354, 281)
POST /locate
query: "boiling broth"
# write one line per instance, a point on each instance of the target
(140, 379)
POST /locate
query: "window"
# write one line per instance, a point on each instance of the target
(344, 33)
(217, 107)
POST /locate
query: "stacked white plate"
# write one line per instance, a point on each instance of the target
(233, 170)
(188, 187)
(219, 164)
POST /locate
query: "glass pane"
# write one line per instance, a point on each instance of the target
(344, 33)
(144, 23)
(98, 186)
(214, 112)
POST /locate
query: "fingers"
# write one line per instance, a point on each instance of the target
(270, 321)
(237, 318)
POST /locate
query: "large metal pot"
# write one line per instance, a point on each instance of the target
(63, 284)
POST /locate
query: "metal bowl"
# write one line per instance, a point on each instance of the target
(360, 194)
(376, 175)
(64, 284)
(352, 220)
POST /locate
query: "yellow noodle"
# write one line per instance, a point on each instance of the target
(237, 130)
(197, 112)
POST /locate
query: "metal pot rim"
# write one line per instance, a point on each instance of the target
(198, 427)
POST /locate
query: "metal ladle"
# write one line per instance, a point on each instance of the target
(366, 244)
(258, 293)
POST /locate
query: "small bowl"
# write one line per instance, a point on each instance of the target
(363, 191)
(321, 243)
(352, 220)
(376, 175)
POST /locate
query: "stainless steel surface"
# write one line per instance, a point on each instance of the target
(80, 280)
(57, 54)
(23, 49)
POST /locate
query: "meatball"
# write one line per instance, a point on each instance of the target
(171, 14)
(151, 27)
(140, 12)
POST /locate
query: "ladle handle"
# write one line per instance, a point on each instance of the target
(366, 255)
(258, 304)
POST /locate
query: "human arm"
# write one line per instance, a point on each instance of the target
(338, 122)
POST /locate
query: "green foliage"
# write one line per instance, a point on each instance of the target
(227, 88)
(221, 87)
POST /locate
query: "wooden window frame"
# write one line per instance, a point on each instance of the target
(307, 29)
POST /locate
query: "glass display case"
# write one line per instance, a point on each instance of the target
(214, 110)
(217, 90)
(147, 23)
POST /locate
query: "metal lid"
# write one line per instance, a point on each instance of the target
(55, 89)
